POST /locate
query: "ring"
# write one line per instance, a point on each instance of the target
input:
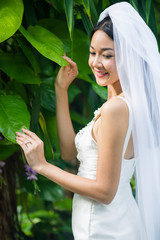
(27, 143)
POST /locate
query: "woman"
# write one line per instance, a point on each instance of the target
(122, 135)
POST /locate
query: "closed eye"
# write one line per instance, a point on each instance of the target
(107, 56)
(92, 53)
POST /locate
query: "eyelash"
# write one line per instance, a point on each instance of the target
(106, 56)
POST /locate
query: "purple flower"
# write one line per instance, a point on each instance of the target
(2, 164)
(30, 173)
(32, 177)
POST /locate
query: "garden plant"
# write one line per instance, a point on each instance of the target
(34, 35)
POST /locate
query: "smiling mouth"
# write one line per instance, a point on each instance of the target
(100, 74)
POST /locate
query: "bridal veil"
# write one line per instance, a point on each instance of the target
(138, 65)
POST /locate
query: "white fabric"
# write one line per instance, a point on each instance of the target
(138, 65)
(91, 220)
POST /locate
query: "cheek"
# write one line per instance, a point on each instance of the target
(90, 61)
(111, 66)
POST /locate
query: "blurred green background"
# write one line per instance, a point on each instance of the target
(34, 34)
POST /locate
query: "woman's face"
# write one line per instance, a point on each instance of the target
(102, 59)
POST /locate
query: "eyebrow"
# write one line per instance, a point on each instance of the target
(104, 49)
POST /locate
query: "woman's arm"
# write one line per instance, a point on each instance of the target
(110, 139)
(66, 134)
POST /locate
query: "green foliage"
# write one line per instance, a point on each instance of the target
(29, 62)
(68, 4)
(14, 115)
(15, 66)
(86, 4)
(7, 150)
(45, 42)
(11, 13)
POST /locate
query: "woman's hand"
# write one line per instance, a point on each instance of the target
(33, 148)
(66, 74)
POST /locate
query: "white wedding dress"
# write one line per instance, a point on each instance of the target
(92, 220)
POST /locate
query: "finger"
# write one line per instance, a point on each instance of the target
(19, 141)
(69, 61)
(31, 134)
(22, 145)
(24, 137)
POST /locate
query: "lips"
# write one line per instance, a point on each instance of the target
(100, 74)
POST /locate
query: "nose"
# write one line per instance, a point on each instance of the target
(97, 62)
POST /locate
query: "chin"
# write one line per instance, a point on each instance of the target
(102, 83)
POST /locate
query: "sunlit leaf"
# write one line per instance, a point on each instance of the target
(48, 44)
(11, 13)
(13, 116)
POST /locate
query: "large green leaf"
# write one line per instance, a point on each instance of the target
(68, 4)
(87, 7)
(80, 47)
(16, 67)
(13, 116)
(11, 13)
(47, 43)
(58, 27)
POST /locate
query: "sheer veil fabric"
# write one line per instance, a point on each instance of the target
(138, 65)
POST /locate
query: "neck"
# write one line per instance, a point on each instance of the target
(114, 90)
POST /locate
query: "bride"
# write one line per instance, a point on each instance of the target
(122, 137)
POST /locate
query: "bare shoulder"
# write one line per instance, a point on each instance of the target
(115, 109)
(114, 121)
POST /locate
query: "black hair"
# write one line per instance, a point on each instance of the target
(105, 25)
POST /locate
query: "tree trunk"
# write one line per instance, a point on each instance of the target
(9, 225)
